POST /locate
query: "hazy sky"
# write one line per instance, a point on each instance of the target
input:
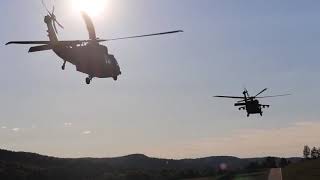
(162, 105)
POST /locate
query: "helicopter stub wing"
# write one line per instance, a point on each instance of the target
(40, 48)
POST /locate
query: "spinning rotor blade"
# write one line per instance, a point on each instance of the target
(261, 92)
(55, 20)
(231, 97)
(273, 96)
(55, 27)
(62, 43)
(246, 91)
(28, 42)
(52, 16)
(241, 101)
(44, 5)
(90, 26)
(147, 35)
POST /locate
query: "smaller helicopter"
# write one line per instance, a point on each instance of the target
(250, 103)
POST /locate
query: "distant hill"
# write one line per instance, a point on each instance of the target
(22, 165)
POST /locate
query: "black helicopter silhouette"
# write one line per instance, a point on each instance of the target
(88, 56)
(250, 103)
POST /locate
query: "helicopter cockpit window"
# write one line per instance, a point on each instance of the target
(108, 59)
(113, 60)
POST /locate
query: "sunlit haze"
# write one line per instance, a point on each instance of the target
(162, 103)
(92, 7)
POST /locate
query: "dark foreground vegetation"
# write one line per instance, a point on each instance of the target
(25, 166)
(308, 169)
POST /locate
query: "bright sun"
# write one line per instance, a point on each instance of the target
(92, 7)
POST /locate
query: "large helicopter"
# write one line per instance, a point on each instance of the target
(88, 56)
(250, 103)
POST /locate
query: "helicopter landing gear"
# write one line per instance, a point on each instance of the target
(64, 65)
(115, 78)
(88, 80)
(248, 115)
(261, 114)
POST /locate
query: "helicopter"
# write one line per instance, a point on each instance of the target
(88, 56)
(251, 103)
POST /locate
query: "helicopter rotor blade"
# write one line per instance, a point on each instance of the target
(146, 35)
(58, 24)
(261, 92)
(273, 96)
(231, 97)
(28, 42)
(44, 5)
(55, 27)
(52, 16)
(246, 92)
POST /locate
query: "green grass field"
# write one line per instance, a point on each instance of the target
(307, 170)
(252, 176)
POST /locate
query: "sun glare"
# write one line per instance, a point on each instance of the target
(92, 7)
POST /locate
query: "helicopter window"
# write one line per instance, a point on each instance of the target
(108, 59)
(113, 60)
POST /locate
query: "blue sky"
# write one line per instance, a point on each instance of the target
(162, 105)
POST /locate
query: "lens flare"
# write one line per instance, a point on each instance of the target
(92, 7)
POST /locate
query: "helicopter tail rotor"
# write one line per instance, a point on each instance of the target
(52, 17)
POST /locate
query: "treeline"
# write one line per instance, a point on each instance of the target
(17, 171)
(269, 162)
(25, 166)
(313, 153)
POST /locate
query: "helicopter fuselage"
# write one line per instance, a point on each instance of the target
(251, 103)
(252, 107)
(92, 59)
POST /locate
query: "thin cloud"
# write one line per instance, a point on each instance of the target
(68, 124)
(3, 127)
(86, 132)
(16, 129)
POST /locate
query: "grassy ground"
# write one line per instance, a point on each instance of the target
(307, 170)
(252, 176)
(248, 176)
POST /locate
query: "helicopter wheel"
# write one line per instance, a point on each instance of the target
(64, 65)
(88, 80)
(115, 78)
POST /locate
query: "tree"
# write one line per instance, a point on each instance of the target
(306, 152)
(270, 162)
(314, 153)
(283, 162)
(253, 166)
